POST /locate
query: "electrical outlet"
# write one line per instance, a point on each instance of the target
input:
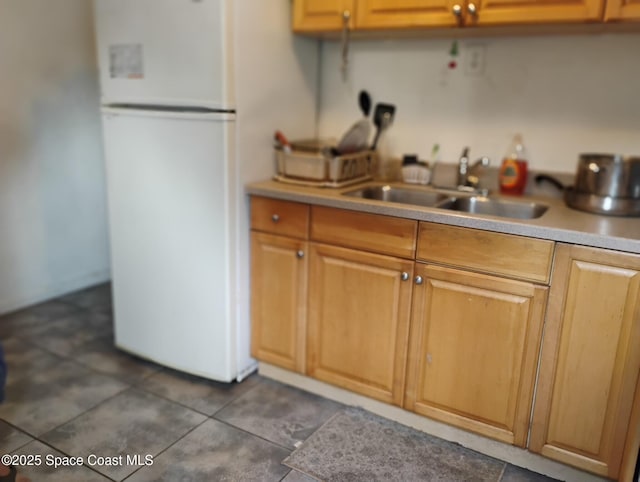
(475, 56)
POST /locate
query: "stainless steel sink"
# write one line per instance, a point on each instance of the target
(449, 199)
(399, 195)
(495, 207)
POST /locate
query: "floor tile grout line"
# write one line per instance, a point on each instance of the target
(165, 397)
(74, 359)
(93, 407)
(63, 356)
(249, 390)
(340, 411)
(169, 446)
(288, 449)
(502, 472)
(36, 438)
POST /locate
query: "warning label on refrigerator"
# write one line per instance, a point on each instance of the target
(125, 61)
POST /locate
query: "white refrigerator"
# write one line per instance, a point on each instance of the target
(191, 92)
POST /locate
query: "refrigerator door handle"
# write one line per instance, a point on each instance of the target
(170, 113)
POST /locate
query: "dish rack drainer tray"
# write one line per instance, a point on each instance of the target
(317, 169)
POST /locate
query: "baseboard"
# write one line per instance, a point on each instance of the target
(492, 448)
(53, 290)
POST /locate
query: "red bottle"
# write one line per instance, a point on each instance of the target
(513, 172)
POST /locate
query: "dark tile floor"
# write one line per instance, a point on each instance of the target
(70, 393)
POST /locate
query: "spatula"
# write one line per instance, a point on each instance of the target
(357, 137)
(382, 118)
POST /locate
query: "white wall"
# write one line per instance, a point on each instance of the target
(276, 76)
(53, 230)
(566, 95)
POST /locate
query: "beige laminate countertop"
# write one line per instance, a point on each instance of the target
(559, 223)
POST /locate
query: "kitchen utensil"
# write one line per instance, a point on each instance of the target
(357, 137)
(282, 140)
(382, 118)
(434, 153)
(610, 175)
(590, 202)
(540, 178)
(365, 102)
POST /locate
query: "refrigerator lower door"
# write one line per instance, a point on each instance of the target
(171, 234)
(165, 52)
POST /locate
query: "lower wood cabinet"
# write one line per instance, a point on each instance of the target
(473, 351)
(587, 408)
(359, 308)
(429, 318)
(278, 300)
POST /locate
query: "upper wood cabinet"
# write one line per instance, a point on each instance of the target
(584, 411)
(327, 16)
(322, 15)
(515, 12)
(393, 14)
(621, 10)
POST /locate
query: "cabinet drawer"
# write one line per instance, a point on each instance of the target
(280, 217)
(502, 254)
(371, 232)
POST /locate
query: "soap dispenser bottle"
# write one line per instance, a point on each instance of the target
(513, 172)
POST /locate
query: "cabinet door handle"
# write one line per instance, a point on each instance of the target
(404, 276)
(418, 280)
(300, 254)
(457, 12)
(275, 218)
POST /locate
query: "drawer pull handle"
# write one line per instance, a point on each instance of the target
(419, 280)
(300, 254)
(275, 218)
(404, 276)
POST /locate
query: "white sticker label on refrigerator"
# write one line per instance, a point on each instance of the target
(125, 61)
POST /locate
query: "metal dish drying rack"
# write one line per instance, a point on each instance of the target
(318, 168)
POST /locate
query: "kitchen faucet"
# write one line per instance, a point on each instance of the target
(467, 179)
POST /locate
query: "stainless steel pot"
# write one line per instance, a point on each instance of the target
(610, 175)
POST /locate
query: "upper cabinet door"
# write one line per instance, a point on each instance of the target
(622, 10)
(510, 12)
(322, 15)
(405, 14)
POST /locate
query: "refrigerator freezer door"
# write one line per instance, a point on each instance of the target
(165, 52)
(169, 216)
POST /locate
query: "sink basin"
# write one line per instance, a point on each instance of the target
(473, 204)
(495, 207)
(399, 195)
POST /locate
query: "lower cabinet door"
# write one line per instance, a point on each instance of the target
(473, 351)
(587, 408)
(359, 308)
(278, 295)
